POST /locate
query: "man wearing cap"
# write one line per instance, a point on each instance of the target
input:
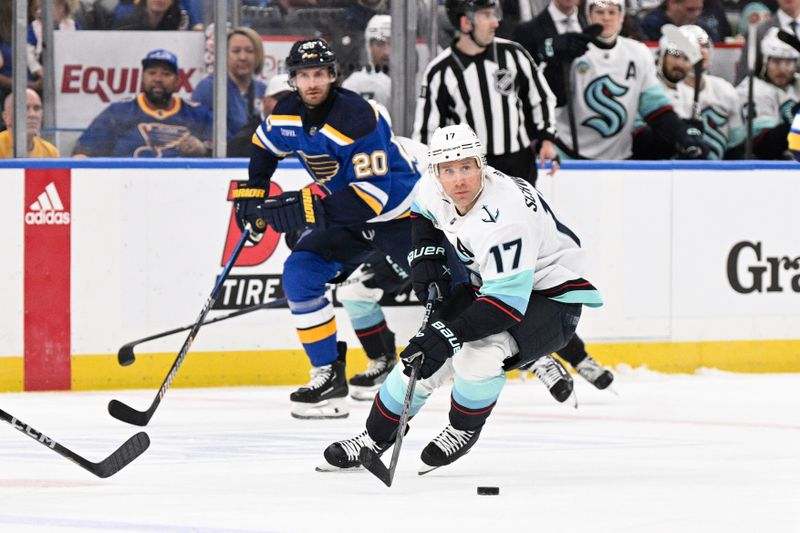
(278, 87)
(153, 124)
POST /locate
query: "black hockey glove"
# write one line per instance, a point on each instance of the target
(690, 144)
(385, 274)
(294, 210)
(429, 265)
(247, 199)
(436, 343)
(564, 47)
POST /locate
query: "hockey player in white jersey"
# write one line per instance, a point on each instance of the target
(610, 84)
(373, 81)
(526, 297)
(776, 92)
(718, 110)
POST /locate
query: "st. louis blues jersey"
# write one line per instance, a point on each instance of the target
(609, 86)
(352, 154)
(720, 111)
(793, 139)
(135, 129)
(512, 243)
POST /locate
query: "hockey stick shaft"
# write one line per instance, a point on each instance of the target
(751, 72)
(124, 455)
(127, 414)
(573, 128)
(369, 459)
(126, 355)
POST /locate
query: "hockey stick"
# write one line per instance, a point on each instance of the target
(124, 455)
(789, 39)
(751, 73)
(369, 458)
(126, 355)
(691, 49)
(124, 412)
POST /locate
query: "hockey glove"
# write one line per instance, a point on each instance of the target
(565, 47)
(294, 210)
(690, 142)
(247, 199)
(429, 265)
(385, 274)
(436, 343)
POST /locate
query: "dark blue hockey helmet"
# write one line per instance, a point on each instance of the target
(310, 53)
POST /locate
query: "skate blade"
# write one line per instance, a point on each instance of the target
(425, 468)
(333, 408)
(327, 467)
(364, 394)
(612, 389)
(572, 400)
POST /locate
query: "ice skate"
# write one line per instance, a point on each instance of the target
(595, 374)
(325, 396)
(363, 386)
(343, 455)
(556, 379)
(447, 447)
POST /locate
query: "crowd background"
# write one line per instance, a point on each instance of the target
(342, 23)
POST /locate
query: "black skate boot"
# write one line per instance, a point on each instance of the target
(325, 396)
(448, 446)
(343, 455)
(363, 386)
(556, 378)
(594, 373)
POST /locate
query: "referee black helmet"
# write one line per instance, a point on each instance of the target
(456, 8)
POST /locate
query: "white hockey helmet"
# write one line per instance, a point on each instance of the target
(590, 3)
(454, 143)
(695, 32)
(379, 27)
(771, 46)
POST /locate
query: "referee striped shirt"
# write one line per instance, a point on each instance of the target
(501, 93)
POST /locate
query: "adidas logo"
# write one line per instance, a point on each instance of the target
(47, 209)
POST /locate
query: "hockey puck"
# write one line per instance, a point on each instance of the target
(488, 491)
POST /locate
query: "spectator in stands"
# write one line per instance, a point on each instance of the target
(240, 144)
(554, 38)
(373, 82)
(752, 14)
(786, 18)
(94, 14)
(37, 147)
(245, 90)
(6, 19)
(154, 124)
(714, 18)
(62, 20)
(677, 12)
(776, 92)
(149, 15)
(348, 37)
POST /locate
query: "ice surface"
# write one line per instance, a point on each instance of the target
(712, 452)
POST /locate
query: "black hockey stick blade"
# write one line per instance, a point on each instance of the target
(126, 413)
(122, 457)
(373, 463)
(789, 39)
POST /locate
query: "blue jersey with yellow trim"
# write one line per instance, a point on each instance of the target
(135, 129)
(352, 154)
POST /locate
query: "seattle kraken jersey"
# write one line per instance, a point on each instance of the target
(773, 104)
(720, 111)
(134, 129)
(371, 85)
(354, 151)
(609, 87)
(511, 241)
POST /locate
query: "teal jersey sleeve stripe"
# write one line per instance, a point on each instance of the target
(652, 99)
(514, 290)
(587, 298)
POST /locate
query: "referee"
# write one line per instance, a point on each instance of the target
(493, 85)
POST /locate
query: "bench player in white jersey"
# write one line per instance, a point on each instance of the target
(373, 82)
(610, 84)
(526, 297)
(776, 92)
(719, 109)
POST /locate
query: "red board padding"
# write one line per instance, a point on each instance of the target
(48, 220)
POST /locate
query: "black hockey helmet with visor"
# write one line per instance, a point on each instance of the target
(310, 53)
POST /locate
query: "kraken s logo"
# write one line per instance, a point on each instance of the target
(601, 97)
(786, 110)
(713, 122)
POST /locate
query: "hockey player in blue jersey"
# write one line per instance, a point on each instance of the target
(154, 124)
(348, 147)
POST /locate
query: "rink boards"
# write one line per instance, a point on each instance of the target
(699, 265)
